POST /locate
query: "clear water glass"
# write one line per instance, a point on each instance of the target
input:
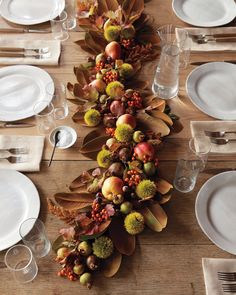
(58, 25)
(186, 175)
(44, 114)
(32, 232)
(200, 147)
(20, 261)
(166, 79)
(70, 8)
(57, 93)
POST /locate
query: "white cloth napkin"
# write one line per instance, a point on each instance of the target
(210, 268)
(52, 59)
(212, 46)
(197, 129)
(32, 160)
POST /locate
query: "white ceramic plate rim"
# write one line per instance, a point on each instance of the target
(6, 14)
(231, 6)
(192, 80)
(32, 198)
(41, 78)
(200, 210)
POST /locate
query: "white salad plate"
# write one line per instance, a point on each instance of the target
(205, 13)
(215, 210)
(211, 88)
(30, 12)
(22, 86)
(19, 201)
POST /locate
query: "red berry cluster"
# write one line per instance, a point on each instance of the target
(127, 43)
(67, 272)
(99, 213)
(135, 100)
(99, 66)
(144, 159)
(110, 131)
(110, 76)
(133, 177)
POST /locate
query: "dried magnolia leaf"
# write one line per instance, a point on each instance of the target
(78, 90)
(91, 41)
(112, 264)
(133, 9)
(82, 180)
(94, 145)
(154, 217)
(58, 243)
(163, 186)
(160, 115)
(124, 242)
(74, 201)
(78, 117)
(85, 47)
(80, 76)
(164, 199)
(96, 231)
(137, 84)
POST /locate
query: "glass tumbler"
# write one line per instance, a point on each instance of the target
(186, 175)
(57, 92)
(166, 79)
(32, 232)
(70, 8)
(44, 114)
(20, 261)
(58, 26)
(200, 146)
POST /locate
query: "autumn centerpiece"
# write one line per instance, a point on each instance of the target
(110, 204)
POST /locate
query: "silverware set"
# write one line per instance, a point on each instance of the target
(217, 137)
(229, 277)
(38, 53)
(17, 155)
(204, 38)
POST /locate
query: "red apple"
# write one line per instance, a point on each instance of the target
(99, 85)
(126, 119)
(113, 50)
(144, 151)
(117, 108)
(112, 187)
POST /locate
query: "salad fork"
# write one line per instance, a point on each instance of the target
(42, 50)
(14, 160)
(229, 288)
(227, 276)
(15, 151)
(222, 141)
(217, 133)
(16, 54)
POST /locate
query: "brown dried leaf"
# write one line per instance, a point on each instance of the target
(95, 231)
(112, 265)
(164, 199)
(85, 47)
(74, 201)
(82, 180)
(124, 242)
(133, 9)
(163, 186)
(160, 115)
(78, 117)
(94, 145)
(58, 243)
(91, 39)
(78, 90)
(80, 76)
(106, 5)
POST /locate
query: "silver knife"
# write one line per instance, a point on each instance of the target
(21, 30)
(198, 63)
(15, 125)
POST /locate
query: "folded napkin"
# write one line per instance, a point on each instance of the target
(210, 268)
(52, 59)
(211, 46)
(32, 160)
(197, 129)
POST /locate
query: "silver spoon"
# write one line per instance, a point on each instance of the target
(56, 140)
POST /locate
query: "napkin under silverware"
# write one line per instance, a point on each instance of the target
(198, 127)
(32, 159)
(211, 46)
(54, 47)
(211, 266)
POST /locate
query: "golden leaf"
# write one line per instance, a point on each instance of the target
(163, 186)
(112, 265)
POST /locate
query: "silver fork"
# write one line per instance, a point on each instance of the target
(229, 288)
(42, 50)
(14, 160)
(222, 141)
(218, 133)
(15, 151)
(227, 276)
(20, 54)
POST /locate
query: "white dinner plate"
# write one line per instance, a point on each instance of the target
(19, 201)
(211, 88)
(30, 12)
(21, 87)
(215, 209)
(205, 13)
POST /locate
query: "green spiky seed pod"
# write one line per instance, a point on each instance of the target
(92, 118)
(114, 89)
(126, 70)
(134, 223)
(128, 32)
(104, 158)
(112, 33)
(103, 247)
(146, 189)
(124, 133)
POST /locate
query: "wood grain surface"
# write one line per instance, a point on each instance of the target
(166, 263)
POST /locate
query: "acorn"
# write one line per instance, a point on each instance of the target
(117, 108)
(86, 280)
(84, 248)
(103, 98)
(126, 207)
(149, 168)
(109, 120)
(93, 262)
(78, 269)
(110, 142)
(138, 136)
(125, 154)
(118, 199)
(116, 169)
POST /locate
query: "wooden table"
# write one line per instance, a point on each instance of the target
(166, 263)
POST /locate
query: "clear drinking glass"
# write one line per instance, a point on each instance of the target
(58, 25)
(166, 79)
(57, 92)
(44, 114)
(200, 146)
(20, 261)
(70, 8)
(32, 232)
(186, 175)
